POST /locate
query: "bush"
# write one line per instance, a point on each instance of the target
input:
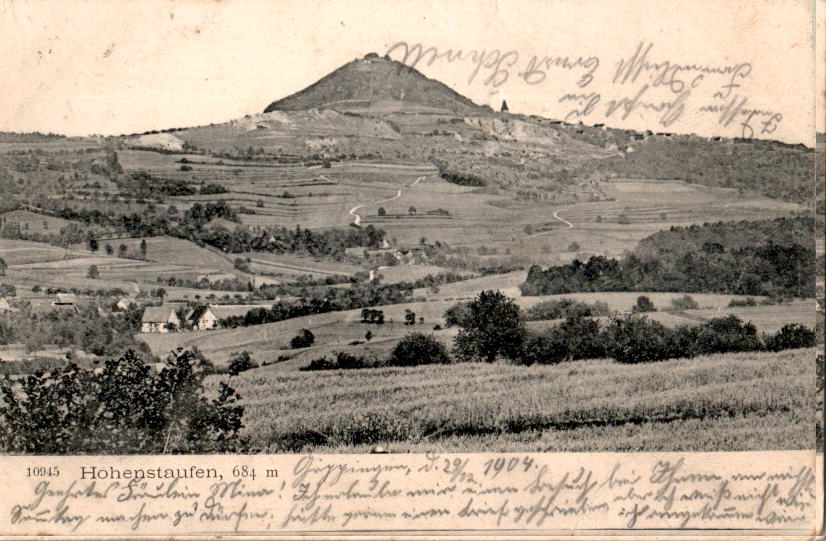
(545, 348)
(635, 339)
(791, 336)
(303, 339)
(457, 314)
(643, 305)
(726, 334)
(346, 361)
(748, 301)
(418, 348)
(562, 308)
(322, 363)
(125, 408)
(686, 302)
(240, 362)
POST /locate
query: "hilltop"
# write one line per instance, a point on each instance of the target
(374, 81)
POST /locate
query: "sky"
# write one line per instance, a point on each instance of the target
(84, 67)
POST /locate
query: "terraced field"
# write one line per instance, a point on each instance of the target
(737, 402)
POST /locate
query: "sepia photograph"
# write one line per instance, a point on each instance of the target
(251, 227)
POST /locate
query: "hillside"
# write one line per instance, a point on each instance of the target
(371, 80)
(727, 402)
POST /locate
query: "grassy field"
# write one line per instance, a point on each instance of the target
(721, 402)
(336, 330)
(23, 252)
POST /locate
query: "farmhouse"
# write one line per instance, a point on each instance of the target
(159, 319)
(205, 318)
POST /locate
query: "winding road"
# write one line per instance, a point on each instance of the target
(357, 217)
(563, 220)
(556, 215)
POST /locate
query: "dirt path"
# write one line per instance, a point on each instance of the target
(357, 217)
(556, 215)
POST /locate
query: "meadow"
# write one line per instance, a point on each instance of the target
(733, 402)
(336, 331)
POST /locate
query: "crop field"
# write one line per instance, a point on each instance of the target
(537, 231)
(35, 263)
(31, 222)
(408, 273)
(292, 266)
(729, 402)
(175, 251)
(22, 252)
(649, 206)
(508, 283)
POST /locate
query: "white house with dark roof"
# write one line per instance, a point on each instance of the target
(205, 318)
(159, 319)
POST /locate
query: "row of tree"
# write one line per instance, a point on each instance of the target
(779, 261)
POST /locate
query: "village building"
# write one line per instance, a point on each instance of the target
(207, 318)
(159, 319)
(5, 306)
(125, 303)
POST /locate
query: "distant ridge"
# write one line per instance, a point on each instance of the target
(374, 79)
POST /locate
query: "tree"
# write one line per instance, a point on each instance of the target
(240, 362)
(92, 272)
(574, 247)
(382, 212)
(643, 305)
(91, 242)
(635, 339)
(418, 348)
(3, 266)
(109, 250)
(409, 317)
(143, 248)
(122, 250)
(368, 335)
(494, 326)
(686, 302)
(303, 339)
(411, 211)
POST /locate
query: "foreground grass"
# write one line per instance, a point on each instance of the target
(730, 402)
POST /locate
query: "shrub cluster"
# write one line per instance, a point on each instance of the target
(636, 339)
(562, 308)
(124, 408)
(412, 350)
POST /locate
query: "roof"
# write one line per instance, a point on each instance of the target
(196, 313)
(222, 311)
(156, 314)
